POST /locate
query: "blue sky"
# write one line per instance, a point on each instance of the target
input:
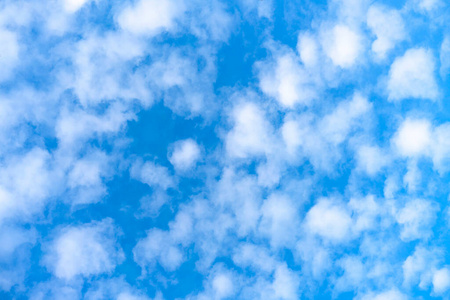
(248, 149)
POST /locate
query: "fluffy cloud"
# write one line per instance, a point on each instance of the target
(388, 27)
(279, 215)
(245, 149)
(85, 250)
(72, 6)
(251, 134)
(308, 49)
(329, 220)
(185, 154)
(150, 16)
(152, 174)
(412, 76)
(320, 140)
(441, 280)
(416, 219)
(371, 159)
(165, 247)
(342, 45)
(288, 82)
(413, 137)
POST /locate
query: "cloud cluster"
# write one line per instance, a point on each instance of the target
(217, 149)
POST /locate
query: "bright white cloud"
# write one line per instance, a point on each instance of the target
(441, 280)
(150, 16)
(329, 220)
(412, 76)
(308, 49)
(287, 82)
(72, 6)
(413, 137)
(342, 45)
(251, 134)
(223, 286)
(185, 154)
(84, 250)
(387, 25)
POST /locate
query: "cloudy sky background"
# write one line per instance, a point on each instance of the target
(248, 149)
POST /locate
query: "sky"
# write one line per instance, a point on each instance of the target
(203, 150)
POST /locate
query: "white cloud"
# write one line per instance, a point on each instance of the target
(242, 196)
(418, 138)
(73, 128)
(287, 82)
(365, 214)
(285, 284)
(251, 134)
(223, 286)
(84, 250)
(371, 159)
(308, 49)
(416, 219)
(221, 283)
(105, 68)
(26, 182)
(56, 289)
(72, 6)
(412, 76)
(413, 137)
(387, 25)
(165, 247)
(441, 280)
(184, 85)
(150, 16)
(342, 45)
(152, 174)
(279, 215)
(336, 126)
(329, 220)
(354, 273)
(257, 257)
(428, 5)
(440, 149)
(185, 154)
(418, 267)
(85, 179)
(319, 139)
